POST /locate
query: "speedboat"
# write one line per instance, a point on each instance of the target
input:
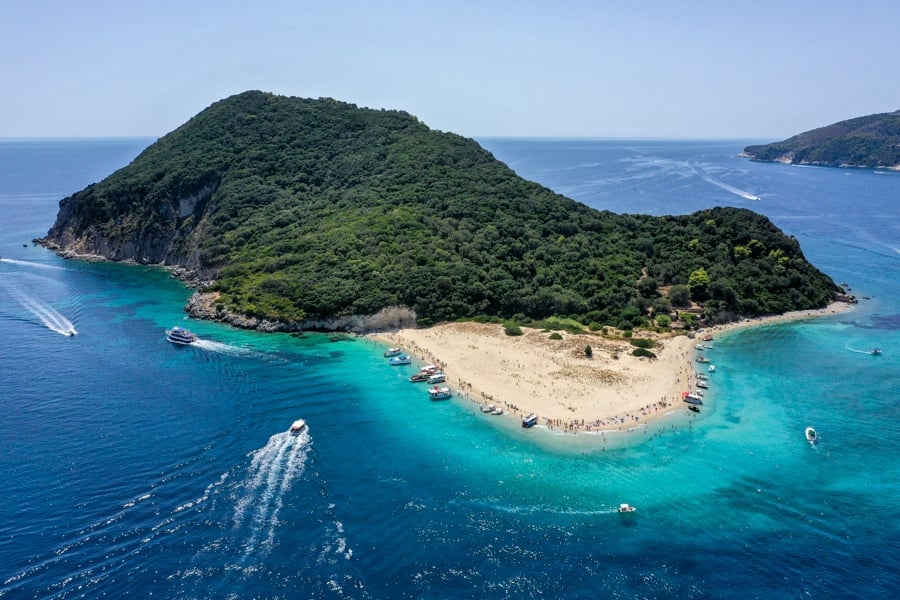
(625, 508)
(179, 335)
(811, 436)
(439, 393)
(875, 351)
(693, 408)
(488, 408)
(497, 411)
(529, 421)
(402, 359)
(392, 352)
(298, 426)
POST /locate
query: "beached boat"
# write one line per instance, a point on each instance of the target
(497, 411)
(625, 508)
(179, 335)
(403, 359)
(691, 398)
(439, 393)
(392, 352)
(529, 421)
(437, 378)
(702, 359)
(486, 408)
(702, 376)
(702, 384)
(811, 436)
(298, 426)
(419, 377)
(693, 408)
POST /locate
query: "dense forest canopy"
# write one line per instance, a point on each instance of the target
(872, 141)
(297, 209)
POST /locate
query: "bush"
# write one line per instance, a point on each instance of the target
(555, 336)
(643, 352)
(589, 352)
(642, 342)
(512, 329)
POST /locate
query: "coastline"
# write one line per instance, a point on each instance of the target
(555, 380)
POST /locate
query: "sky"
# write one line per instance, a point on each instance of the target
(653, 69)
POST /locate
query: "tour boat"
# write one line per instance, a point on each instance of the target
(529, 421)
(298, 426)
(625, 508)
(392, 352)
(437, 378)
(691, 398)
(179, 335)
(439, 393)
(811, 435)
(402, 359)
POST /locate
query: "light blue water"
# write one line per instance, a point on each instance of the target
(134, 467)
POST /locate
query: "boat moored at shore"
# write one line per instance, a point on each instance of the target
(529, 421)
(439, 393)
(402, 359)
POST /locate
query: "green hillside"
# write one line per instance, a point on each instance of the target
(295, 209)
(872, 141)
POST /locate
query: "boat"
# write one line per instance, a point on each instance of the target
(691, 398)
(625, 508)
(298, 426)
(403, 359)
(487, 408)
(437, 378)
(707, 338)
(712, 368)
(875, 351)
(811, 436)
(702, 384)
(497, 411)
(702, 359)
(392, 352)
(419, 377)
(529, 421)
(702, 376)
(694, 408)
(439, 393)
(179, 335)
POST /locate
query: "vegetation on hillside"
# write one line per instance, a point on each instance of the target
(313, 208)
(872, 141)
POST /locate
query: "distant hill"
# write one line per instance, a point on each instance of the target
(291, 213)
(872, 141)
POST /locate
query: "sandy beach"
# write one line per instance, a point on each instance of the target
(555, 380)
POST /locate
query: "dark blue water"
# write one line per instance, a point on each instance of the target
(133, 467)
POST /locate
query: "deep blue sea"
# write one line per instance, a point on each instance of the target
(131, 467)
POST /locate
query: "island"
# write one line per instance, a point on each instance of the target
(290, 214)
(872, 141)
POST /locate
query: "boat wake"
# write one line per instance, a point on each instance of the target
(870, 352)
(259, 498)
(221, 348)
(51, 318)
(705, 176)
(28, 263)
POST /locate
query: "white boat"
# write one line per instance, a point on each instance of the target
(875, 351)
(529, 421)
(497, 411)
(811, 436)
(437, 378)
(712, 368)
(702, 384)
(691, 398)
(402, 359)
(179, 335)
(439, 393)
(392, 352)
(488, 408)
(298, 426)
(625, 508)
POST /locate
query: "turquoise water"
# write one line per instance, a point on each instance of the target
(135, 467)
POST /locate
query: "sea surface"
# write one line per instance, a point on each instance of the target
(132, 467)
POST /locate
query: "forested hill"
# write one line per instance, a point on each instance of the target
(293, 210)
(872, 141)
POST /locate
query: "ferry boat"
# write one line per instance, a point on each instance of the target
(439, 393)
(298, 426)
(402, 359)
(179, 335)
(529, 421)
(392, 352)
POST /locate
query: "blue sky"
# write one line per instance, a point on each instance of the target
(652, 69)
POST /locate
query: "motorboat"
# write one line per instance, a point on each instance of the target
(529, 421)
(691, 398)
(497, 411)
(437, 378)
(712, 368)
(702, 359)
(702, 384)
(811, 436)
(487, 408)
(875, 351)
(402, 359)
(693, 408)
(439, 393)
(392, 352)
(702, 376)
(625, 508)
(298, 426)
(419, 377)
(180, 335)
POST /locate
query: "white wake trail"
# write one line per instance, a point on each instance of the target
(28, 263)
(51, 318)
(702, 174)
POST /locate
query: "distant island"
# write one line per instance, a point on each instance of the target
(872, 141)
(290, 214)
